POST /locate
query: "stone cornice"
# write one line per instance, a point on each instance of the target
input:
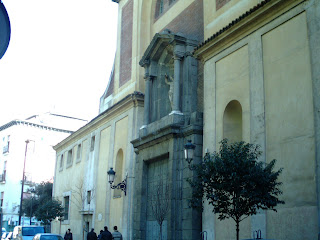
(243, 26)
(135, 99)
(26, 123)
(160, 41)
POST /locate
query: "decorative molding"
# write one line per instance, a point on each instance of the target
(243, 26)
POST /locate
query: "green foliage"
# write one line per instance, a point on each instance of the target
(44, 207)
(26, 206)
(235, 183)
(49, 210)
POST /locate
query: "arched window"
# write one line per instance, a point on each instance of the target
(232, 121)
(118, 170)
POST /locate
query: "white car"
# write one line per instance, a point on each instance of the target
(26, 232)
(9, 236)
(4, 235)
(47, 236)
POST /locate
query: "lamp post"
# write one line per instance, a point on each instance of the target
(189, 151)
(23, 179)
(122, 186)
(32, 191)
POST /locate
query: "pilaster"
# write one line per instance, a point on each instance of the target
(257, 116)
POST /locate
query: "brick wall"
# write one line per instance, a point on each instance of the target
(189, 22)
(126, 43)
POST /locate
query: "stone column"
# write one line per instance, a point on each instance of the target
(176, 84)
(148, 79)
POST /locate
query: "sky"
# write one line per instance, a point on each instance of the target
(59, 57)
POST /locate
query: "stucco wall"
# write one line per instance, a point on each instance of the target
(232, 83)
(102, 178)
(216, 19)
(274, 65)
(290, 126)
(120, 143)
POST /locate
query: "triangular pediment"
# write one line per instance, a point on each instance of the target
(161, 42)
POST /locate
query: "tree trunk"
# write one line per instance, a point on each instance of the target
(160, 231)
(237, 225)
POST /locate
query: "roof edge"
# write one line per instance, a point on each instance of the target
(95, 120)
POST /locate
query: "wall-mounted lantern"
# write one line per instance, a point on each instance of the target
(122, 186)
(189, 151)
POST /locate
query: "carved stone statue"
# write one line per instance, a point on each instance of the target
(169, 81)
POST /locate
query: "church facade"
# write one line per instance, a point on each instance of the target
(200, 71)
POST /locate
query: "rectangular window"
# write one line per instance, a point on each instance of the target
(61, 161)
(88, 197)
(6, 143)
(66, 208)
(79, 152)
(1, 198)
(3, 176)
(69, 159)
(93, 139)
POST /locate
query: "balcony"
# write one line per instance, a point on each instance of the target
(27, 179)
(3, 178)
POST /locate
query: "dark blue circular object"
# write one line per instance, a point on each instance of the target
(5, 30)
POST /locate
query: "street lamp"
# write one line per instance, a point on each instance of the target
(189, 151)
(122, 186)
(32, 191)
(23, 179)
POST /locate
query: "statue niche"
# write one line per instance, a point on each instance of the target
(171, 77)
(162, 88)
(169, 81)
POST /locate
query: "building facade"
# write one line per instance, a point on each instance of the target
(209, 69)
(83, 159)
(42, 132)
(261, 71)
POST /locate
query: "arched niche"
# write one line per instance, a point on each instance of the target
(160, 90)
(118, 169)
(169, 74)
(232, 121)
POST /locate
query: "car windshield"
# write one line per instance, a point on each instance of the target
(31, 231)
(50, 237)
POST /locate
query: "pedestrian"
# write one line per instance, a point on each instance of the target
(116, 235)
(106, 235)
(99, 236)
(92, 235)
(68, 235)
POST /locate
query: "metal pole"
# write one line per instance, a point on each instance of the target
(22, 184)
(1, 219)
(31, 210)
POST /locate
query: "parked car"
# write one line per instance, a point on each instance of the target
(47, 236)
(26, 232)
(4, 235)
(9, 236)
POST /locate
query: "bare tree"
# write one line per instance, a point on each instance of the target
(80, 194)
(160, 203)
